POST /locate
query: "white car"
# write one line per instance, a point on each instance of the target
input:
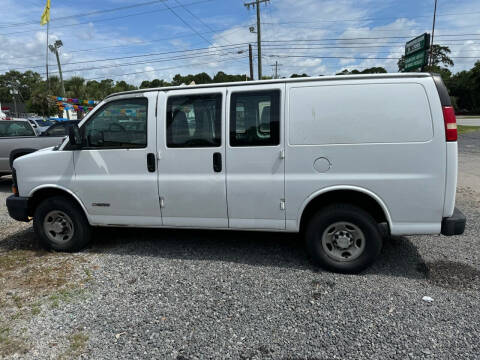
(343, 160)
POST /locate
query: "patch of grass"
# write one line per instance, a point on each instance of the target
(65, 296)
(88, 273)
(463, 129)
(13, 259)
(36, 309)
(78, 342)
(29, 280)
(10, 345)
(18, 301)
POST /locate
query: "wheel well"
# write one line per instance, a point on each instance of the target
(42, 194)
(357, 198)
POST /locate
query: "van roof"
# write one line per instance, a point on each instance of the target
(277, 81)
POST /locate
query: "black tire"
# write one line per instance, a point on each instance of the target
(81, 228)
(332, 214)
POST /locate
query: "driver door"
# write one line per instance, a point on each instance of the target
(113, 170)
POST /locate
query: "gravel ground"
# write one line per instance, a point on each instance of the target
(202, 294)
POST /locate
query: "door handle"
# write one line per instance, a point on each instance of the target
(217, 162)
(151, 162)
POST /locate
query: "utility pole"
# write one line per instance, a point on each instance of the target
(433, 34)
(250, 57)
(54, 48)
(275, 71)
(256, 4)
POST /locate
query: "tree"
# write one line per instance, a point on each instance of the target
(123, 86)
(75, 87)
(153, 84)
(293, 76)
(201, 78)
(465, 90)
(372, 70)
(221, 77)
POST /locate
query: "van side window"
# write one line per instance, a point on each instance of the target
(255, 118)
(194, 121)
(119, 124)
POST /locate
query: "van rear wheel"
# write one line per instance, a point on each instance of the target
(343, 238)
(61, 225)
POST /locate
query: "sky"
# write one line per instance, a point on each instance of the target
(136, 40)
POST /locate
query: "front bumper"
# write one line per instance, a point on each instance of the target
(18, 208)
(455, 224)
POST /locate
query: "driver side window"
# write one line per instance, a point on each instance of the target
(120, 124)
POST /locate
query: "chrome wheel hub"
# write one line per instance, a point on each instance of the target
(343, 241)
(58, 226)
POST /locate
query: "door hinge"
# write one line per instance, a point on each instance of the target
(282, 204)
(282, 154)
(159, 155)
(162, 202)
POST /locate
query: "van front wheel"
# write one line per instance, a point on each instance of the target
(343, 238)
(61, 225)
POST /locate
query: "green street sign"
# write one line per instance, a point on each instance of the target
(417, 60)
(420, 43)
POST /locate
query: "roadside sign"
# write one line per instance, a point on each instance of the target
(421, 42)
(416, 52)
(416, 61)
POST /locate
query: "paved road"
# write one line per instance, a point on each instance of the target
(468, 121)
(218, 295)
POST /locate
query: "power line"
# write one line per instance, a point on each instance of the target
(167, 68)
(107, 19)
(372, 18)
(365, 38)
(197, 51)
(115, 46)
(185, 57)
(187, 24)
(96, 12)
(229, 48)
(351, 57)
(199, 19)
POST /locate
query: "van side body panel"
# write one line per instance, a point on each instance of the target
(390, 141)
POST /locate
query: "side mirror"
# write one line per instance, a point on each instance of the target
(74, 136)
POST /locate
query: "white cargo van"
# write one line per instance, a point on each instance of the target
(343, 160)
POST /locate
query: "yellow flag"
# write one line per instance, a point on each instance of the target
(46, 14)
